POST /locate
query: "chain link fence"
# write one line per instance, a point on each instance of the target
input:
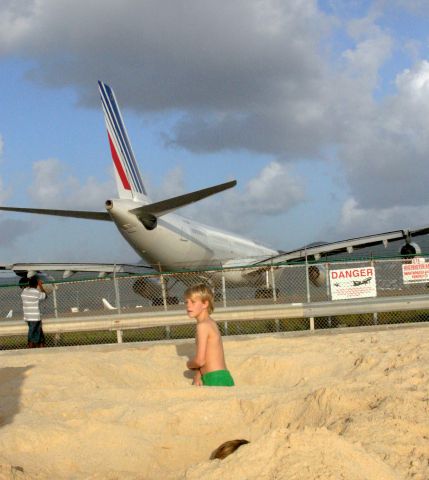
(240, 287)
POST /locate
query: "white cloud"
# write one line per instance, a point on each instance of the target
(17, 19)
(413, 84)
(173, 185)
(252, 80)
(357, 221)
(385, 152)
(365, 59)
(53, 186)
(275, 191)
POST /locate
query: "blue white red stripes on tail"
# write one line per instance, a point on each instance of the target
(129, 181)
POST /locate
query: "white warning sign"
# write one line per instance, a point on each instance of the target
(416, 272)
(352, 283)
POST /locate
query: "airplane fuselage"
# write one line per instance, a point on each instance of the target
(178, 242)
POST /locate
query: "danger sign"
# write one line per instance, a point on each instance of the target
(352, 283)
(416, 272)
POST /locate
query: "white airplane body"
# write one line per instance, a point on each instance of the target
(178, 242)
(168, 241)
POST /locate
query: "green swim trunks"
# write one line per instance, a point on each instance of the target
(218, 378)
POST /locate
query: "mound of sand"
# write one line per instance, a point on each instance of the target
(349, 405)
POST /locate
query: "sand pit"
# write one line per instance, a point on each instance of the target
(350, 405)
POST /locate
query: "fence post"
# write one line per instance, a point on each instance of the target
(223, 289)
(307, 283)
(164, 301)
(328, 291)
(225, 323)
(54, 296)
(119, 336)
(117, 296)
(273, 284)
(375, 314)
(57, 336)
(164, 291)
(307, 279)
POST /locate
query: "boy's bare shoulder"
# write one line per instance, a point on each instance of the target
(209, 326)
(214, 328)
(203, 326)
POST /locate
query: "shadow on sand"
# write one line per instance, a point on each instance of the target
(186, 350)
(11, 381)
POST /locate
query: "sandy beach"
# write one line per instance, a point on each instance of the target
(351, 406)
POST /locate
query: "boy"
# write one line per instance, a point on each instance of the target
(209, 361)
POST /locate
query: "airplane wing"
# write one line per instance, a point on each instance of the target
(68, 269)
(165, 206)
(347, 246)
(62, 213)
(157, 209)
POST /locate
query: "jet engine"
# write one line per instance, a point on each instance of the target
(150, 222)
(410, 249)
(48, 282)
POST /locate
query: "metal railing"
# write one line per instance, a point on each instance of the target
(276, 298)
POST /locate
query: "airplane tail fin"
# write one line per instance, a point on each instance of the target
(128, 179)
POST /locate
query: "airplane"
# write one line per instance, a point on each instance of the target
(167, 241)
(358, 283)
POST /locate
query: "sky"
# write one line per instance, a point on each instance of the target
(319, 110)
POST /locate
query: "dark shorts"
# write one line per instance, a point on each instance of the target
(218, 378)
(35, 332)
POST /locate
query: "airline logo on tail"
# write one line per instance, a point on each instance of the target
(129, 182)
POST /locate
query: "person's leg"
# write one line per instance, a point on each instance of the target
(36, 335)
(31, 335)
(42, 343)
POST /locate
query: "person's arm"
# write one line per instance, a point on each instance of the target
(197, 378)
(201, 340)
(41, 289)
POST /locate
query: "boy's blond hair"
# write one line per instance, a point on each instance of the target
(227, 448)
(204, 292)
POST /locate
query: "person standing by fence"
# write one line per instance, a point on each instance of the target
(31, 296)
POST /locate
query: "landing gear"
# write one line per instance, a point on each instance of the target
(158, 301)
(266, 293)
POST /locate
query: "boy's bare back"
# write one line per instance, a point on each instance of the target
(209, 346)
